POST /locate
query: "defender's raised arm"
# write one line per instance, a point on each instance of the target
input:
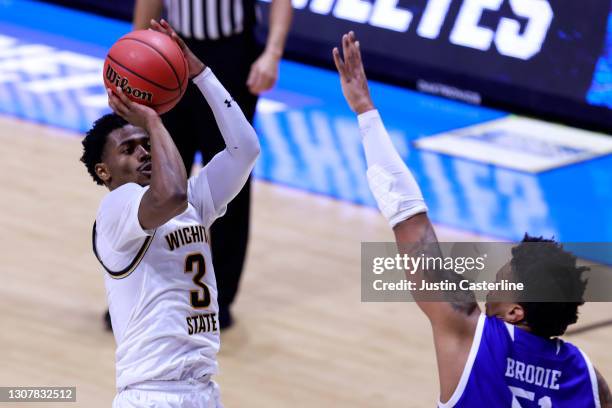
(400, 200)
(394, 187)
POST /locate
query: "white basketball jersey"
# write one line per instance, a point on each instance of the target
(160, 286)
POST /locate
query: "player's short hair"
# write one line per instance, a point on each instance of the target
(95, 140)
(547, 267)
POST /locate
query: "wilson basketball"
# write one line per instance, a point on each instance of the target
(149, 67)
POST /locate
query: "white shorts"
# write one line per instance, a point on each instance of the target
(170, 394)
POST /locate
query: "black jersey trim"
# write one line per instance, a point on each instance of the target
(135, 262)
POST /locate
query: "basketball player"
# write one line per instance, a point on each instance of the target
(510, 356)
(151, 237)
(223, 33)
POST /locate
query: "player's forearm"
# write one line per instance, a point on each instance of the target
(281, 14)
(400, 200)
(396, 191)
(168, 175)
(240, 138)
(415, 237)
(144, 11)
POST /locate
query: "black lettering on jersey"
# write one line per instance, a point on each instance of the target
(189, 326)
(202, 323)
(184, 238)
(172, 241)
(186, 235)
(194, 230)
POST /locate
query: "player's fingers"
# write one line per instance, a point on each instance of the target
(167, 26)
(355, 44)
(351, 54)
(158, 27)
(115, 104)
(357, 53)
(338, 61)
(112, 98)
(119, 93)
(179, 41)
(155, 26)
(124, 99)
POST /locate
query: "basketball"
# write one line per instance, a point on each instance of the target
(149, 67)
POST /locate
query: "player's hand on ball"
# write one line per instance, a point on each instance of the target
(135, 113)
(194, 64)
(352, 75)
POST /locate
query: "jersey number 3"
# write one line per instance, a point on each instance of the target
(200, 298)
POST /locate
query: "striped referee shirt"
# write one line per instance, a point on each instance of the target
(210, 19)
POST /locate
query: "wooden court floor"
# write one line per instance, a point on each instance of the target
(303, 338)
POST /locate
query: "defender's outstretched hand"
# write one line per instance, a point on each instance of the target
(194, 64)
(352, 75)
(135, 113)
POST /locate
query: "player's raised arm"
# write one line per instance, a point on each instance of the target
(400, 200)
(167, 194)
(397, 192)
(228, 170)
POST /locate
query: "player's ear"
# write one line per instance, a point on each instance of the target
(514, 314)
(103, 172)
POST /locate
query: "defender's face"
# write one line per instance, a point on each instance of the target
(126, 158)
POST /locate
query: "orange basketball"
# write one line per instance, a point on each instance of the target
(149, 67)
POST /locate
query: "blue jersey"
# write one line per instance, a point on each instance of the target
(510, 367)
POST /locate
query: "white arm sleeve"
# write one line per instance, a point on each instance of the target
(396, 191)
(225, 175)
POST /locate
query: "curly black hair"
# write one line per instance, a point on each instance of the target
(95, 140)
(547, 269)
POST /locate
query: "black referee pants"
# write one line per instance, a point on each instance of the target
(193, 128)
